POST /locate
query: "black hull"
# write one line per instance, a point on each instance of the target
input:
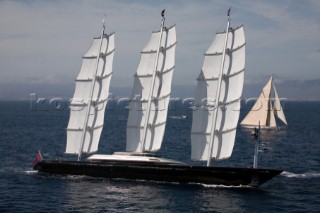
(159, 172)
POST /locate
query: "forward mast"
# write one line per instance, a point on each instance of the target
(89, 101)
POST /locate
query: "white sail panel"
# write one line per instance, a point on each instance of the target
(106, 47)
(231, 90)
(155, 130)
(231, 87)
(230, 94)
(234, 62)
(81, 98)
(226, 127)
(200, 150)
(278, 108)
(236, 39)
(161, 93)
(94, 128)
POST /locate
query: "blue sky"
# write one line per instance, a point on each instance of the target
(41, 42)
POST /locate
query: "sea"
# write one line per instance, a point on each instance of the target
(29, 126)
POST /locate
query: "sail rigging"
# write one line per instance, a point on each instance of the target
(89, 101)
(264, 110)
(217, 104)
(151, 91)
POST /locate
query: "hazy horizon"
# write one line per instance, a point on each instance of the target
(309, 91)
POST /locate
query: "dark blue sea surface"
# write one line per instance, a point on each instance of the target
(26, 128)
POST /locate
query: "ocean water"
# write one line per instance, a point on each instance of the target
(26, 128)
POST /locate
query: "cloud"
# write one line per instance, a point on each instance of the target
(39, 39)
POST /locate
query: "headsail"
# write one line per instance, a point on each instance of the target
(264, 111)
(161, 93)
(278, 111)
(229, 102)
(88, 104)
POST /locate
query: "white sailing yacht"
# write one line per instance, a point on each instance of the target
(214, 122)
(265, 111)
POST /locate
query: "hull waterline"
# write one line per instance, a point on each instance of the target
(154, 171)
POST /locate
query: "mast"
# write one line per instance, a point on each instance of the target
(216, 105)
(148, 114)
(256, 135)
(152, 86)
(85, 125)
(270, 113)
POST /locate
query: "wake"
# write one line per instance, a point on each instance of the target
(31, 172)
(179, 117)
(303, 175)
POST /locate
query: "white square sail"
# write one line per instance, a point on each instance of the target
(88, 104)
(155, 119)
(227, 86)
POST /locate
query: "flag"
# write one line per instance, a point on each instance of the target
(162, 13)
(229, 11)
(38, 158)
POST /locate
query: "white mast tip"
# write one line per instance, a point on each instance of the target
(104, 19)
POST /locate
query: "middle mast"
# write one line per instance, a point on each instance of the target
(151, 91)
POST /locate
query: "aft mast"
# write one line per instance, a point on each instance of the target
(218, 96)
(216, 104)
(93, 82)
